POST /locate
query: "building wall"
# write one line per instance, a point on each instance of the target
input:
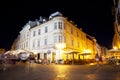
(59, 31)
(116, 37)
(75, 38)
(90, 48)
(24, 42)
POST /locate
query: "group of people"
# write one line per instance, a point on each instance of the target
(98, 58)
(6, 62)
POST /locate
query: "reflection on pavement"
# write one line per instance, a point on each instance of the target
(61, 72)
(91, 77)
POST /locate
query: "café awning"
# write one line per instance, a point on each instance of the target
(113, 51)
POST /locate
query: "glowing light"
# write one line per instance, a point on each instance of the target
(60, 45)
(115, 47)
(87, 51)
(92, 64)
(61, 71)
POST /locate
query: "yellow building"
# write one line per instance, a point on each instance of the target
(116, 38)
(2, 50)
(115, 51)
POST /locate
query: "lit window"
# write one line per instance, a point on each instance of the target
(77, 34)
(64, 26)
(72, 42)
(71, 31)
(78, 45)
(64, 39)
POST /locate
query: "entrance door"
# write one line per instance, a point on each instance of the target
(38, 56)
(45, 55)
(53, 56)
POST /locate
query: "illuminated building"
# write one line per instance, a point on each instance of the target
(115, 51)
(2, 50)
(116, 38)
(55, 38)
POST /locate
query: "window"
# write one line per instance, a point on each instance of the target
(34, 32)
(38, 43)
(39, 31)
(46, 29)
(24, 45)
(55, 39)
(64, 38)
(24, 36)
(72, 42)
(55, 26)
(78, 45)
(33, 44)
(60, 38)
(71, 31)
(77, 34)
(27, 34)
(60, 25)
(27, 44)
(64, 26)
(45, 42)
(80, 36)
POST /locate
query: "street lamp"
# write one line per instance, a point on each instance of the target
(59, 47)
(115, 47)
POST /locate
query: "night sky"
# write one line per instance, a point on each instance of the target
(93, 16)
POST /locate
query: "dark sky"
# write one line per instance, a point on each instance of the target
(93, 16)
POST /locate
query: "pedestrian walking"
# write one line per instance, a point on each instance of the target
(31, 60)
(100, 58)
(97, 58)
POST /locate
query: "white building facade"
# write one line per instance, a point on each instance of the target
(53, 38)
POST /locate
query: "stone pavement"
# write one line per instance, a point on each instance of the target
(61, 72)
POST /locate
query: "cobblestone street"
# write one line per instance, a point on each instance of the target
(61, 72)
